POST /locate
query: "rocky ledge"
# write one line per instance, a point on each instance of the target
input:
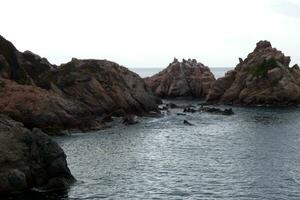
(70, 96)
(30, 159)
(182, 79)
(263, 78)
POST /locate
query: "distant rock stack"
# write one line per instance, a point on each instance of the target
(263, 78)
(182, 79)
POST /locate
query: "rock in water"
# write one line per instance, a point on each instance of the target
(263, 78)
(30, 159)
(182, 79)
(130, 120)
(185, 122)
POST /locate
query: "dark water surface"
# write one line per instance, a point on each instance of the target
(254, 154)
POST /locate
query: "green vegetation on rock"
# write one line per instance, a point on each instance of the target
(262, 69)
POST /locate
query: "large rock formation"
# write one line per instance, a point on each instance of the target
(182, 79)
(30, 159)
(263, 78)
(37, 107)
(72, 95)
(102, 86)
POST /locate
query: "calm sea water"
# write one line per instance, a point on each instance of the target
(254, 154)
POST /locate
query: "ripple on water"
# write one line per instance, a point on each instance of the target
(253, 154)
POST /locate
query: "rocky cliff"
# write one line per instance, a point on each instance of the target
(72, 95)
(182, 79)
(263, 78)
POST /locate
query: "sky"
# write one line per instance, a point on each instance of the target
(150, 33)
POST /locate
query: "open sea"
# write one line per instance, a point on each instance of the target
(252, 155)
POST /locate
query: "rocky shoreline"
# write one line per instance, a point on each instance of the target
(38, 97)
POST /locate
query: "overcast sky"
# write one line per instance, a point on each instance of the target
(150, 33)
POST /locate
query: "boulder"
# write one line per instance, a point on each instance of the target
(30, 159)
(182, 79)
(130, 120)
(263, 78)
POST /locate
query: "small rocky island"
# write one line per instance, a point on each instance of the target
(188, 78)
(263, 78)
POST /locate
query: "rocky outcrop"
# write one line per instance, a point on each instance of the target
(24, 68)
(37, 107)
(263, 78)
(72, 95)
(102, 86)
(182, 79)
(30, 159)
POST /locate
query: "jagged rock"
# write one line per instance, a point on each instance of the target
(72, 95)
(182, 79)
(263, 78)
(30, 159)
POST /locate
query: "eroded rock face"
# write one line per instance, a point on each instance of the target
(72, 95)
(263, 78)
(182, 79)
(37, 107)
(30, 159)
(102, 86)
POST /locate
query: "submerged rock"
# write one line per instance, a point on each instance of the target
(189, 110)
(185, 122)
(213, 110)
(263, 78)
(30, 159)
(182, 79)
(130, 120)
